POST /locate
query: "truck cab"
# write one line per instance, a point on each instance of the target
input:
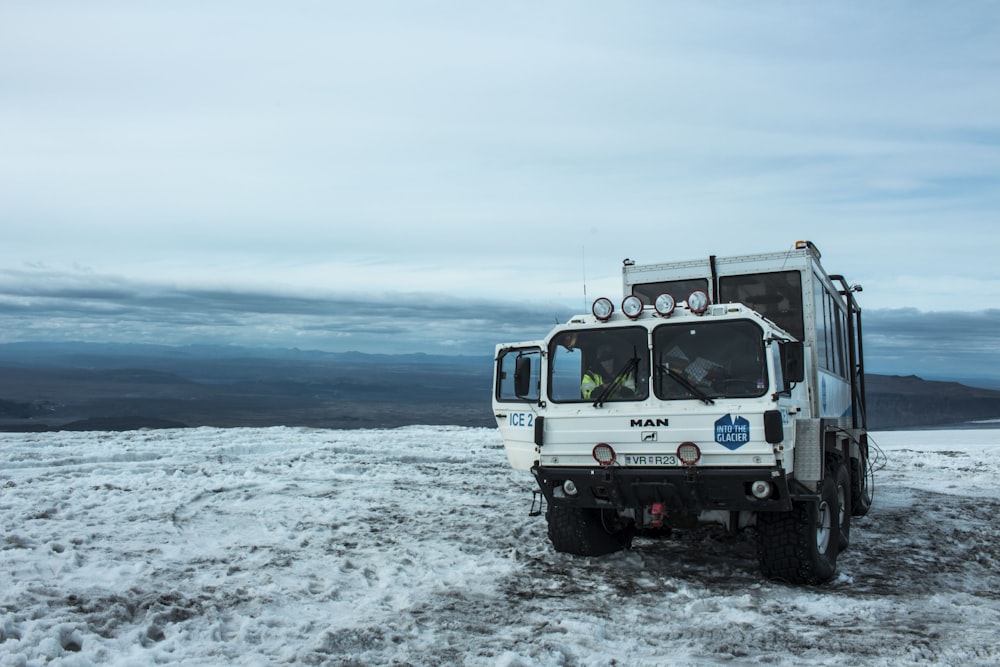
(727, 391)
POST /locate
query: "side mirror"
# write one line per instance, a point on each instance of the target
(793, 364)
(522, 377)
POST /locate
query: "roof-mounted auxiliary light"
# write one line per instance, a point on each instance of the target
(632, 307)
(665, 304)
(602, 309)
(802, 245)
(698, 302)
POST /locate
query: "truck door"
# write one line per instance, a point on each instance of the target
(516, 398)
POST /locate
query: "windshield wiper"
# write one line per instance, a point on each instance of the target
(616, 382)
(687, 384)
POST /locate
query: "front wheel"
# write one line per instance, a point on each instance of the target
(801, 546)
(586, 531)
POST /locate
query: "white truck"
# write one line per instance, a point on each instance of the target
(726, 390)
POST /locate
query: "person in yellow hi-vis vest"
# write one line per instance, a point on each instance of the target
(602, 370)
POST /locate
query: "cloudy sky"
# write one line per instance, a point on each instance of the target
(435, 176)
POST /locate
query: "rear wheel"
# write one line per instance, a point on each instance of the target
(842, 478)
(861, 490)
(801, 546)
(586, 531)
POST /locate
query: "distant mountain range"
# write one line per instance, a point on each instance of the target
(896, 401)
(49, 386)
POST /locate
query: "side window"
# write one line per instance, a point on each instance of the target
(519, 376)
(842, 355)
(819, 300)
(831, 341)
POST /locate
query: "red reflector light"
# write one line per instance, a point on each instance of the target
(603, 454)
(688, 453)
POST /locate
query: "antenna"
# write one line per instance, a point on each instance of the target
(583, 264)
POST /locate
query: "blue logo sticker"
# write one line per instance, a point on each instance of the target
(732, 433)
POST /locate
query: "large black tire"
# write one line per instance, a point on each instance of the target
(801, 546)
(585, 531)
(861, 489)
(842, 478)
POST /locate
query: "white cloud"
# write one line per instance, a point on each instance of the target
(501, 151)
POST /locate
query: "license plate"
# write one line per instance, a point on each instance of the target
(651, 460)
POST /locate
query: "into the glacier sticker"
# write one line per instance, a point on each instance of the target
(732, 433)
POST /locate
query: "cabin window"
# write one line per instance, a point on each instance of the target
(679, 289)
(519, 374)
(777, 296)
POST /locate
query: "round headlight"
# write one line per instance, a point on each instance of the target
(688, 453)
(603, 454)
(698, 302)
(665, 304)
(632, 307)
(603, 308)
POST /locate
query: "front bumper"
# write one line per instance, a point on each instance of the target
(679, 489)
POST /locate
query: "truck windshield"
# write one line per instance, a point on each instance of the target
(709, 360)
(599, 365)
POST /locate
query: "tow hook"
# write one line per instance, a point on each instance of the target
(657, 513)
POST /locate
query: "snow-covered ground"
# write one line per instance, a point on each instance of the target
(414, 546)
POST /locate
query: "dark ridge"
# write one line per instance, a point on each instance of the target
(54, 387)
(896, 401)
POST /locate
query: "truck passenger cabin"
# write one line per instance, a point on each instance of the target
(790, 289)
